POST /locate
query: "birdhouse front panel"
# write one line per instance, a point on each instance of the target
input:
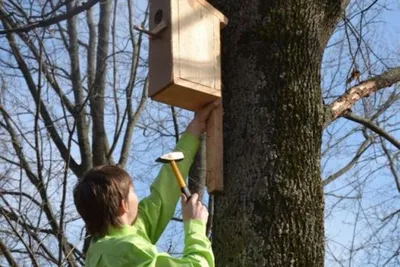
(197, 44)
(190, 50)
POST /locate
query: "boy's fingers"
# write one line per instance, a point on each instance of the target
(205, 112)
(194, 198)
(183, 199)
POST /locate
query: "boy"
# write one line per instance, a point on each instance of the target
(124, 233)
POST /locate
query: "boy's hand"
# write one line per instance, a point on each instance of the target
(193, 209)
(198, 125)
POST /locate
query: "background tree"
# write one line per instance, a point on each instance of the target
(73, 79)
(73, 90)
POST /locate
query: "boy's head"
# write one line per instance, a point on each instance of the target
(104, 198)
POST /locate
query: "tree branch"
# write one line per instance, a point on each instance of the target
(391, 215)
(5, 192)
(46, 205)
(31, 256)
(373, 127)
(46, 67)
(16, 218)
(115, 80)
(38, 101)
(338, 107)
(6, 252)
(392, 166)
(363, 147)
(91, 53)
(82, 126)
(176, 126)
(97, 96)
(51, 21)
(133, 118)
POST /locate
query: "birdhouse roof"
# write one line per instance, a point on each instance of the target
(223, 20)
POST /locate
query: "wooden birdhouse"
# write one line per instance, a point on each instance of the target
(185, 67)
(184, 55)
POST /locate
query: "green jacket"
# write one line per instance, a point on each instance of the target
(134, 245)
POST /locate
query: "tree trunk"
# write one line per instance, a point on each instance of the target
(272, 211)
(197, 172)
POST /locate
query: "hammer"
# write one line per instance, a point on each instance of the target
(172, 158)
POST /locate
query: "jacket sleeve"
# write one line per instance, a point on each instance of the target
(197, 251)
(156, 210)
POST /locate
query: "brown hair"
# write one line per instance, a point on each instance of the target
(98, 196)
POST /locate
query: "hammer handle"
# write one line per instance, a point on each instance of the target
(186, 191)
(180, 180)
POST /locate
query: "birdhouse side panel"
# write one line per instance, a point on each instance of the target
(217, 54)
(160, 47)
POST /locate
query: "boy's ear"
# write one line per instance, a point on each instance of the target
(123, 207)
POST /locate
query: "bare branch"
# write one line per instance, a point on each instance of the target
(16, 218)
(31, 256)
(91, 53)
(175, 121)
(46, 68)
(51, 21)
(39, 102)
(133, 118)
(363, 89)
(32, 199)
(6, 252)
(373, 127)
(98, 93)
(38, 183)
(82, 126)
(114, 84)
(391, 166)
(391, 215)
(363, 147)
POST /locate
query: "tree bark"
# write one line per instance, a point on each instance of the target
(197, 172)
(272, 211)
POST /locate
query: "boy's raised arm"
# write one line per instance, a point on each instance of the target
(197, 251)
(156, 210)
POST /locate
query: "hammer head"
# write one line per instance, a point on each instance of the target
(172, 156)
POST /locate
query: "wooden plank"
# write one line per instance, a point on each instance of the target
(214, 150)
(196, 43)
(217, 55)
(175, 21)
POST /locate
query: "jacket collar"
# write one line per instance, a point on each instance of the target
(123, 230)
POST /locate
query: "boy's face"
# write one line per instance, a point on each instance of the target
(132, 206)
